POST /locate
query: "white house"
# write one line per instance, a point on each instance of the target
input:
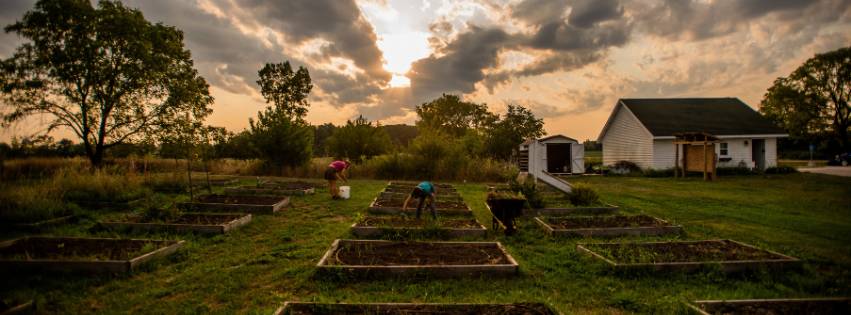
(554, 154)
(642, 131)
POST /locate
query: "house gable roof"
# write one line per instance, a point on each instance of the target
(664, 117)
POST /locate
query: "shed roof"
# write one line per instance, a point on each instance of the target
(717, 116)
(557, 137)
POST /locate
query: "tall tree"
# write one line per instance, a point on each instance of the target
(505, 136)
(286, 89)
(813, 100)
(280, 133)
(106, 73)
(359, 139)
(450, 115)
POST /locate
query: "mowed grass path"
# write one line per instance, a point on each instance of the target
(258, 267)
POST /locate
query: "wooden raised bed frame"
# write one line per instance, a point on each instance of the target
(239, 219)
(606, 209)
(728, 266)
(252, 190)
(235, 207)
(89, 266)
(374, 209)
(378, 231)
(664, 229)
(408, 308)
(437, 271)
(700, 307)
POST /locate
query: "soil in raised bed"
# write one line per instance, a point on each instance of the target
(77, 249)
(295, 185)
(786, 307)
(229, 199)
(704, 251)
(189, 218)
(401, 253)
(440, 204)
(617, 221)
(355, 309)
(414, 223)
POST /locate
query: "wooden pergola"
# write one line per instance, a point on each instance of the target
(698, 154)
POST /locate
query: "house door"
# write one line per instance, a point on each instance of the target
(758, 153)
(558, 158)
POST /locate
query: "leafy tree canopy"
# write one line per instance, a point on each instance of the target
(813, 100)
(451, 115)
(359, 139)
(105, 73)
(506, 135)
(280, 134)
(286, 89)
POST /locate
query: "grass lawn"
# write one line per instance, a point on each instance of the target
(258, 267)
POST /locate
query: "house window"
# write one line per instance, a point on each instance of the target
(724, 151)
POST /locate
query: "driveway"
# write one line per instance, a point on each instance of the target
(844, 171)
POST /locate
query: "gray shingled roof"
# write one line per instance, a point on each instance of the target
(717, 116)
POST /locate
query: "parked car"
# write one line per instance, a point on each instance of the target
(843, 159)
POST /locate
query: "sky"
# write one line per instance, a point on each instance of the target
(569, 61)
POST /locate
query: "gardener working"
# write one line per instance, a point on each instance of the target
(334, 173)
(425, 190)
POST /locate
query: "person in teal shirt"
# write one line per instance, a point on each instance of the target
(425, 191)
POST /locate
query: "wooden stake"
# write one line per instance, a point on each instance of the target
(676, 159)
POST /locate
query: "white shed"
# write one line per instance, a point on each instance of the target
(643, 131)
(554, 154)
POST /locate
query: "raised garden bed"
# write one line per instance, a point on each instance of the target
(394, 206)
(811, 306)
(203, 223)
(436, 259)
(371, 226)
(619, 225)
(412, 184)
(304, 308)
(71, 254)
(270, 191)
(398, 195)
(11, 308)
(236, 204)
(606, 209)
(730, 256)
(43, 224)
(92, 204)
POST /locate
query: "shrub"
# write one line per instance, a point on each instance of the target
(624, 167)
(781, 170)
(529, 189)
(669, 172)
(739, 170)
(583, 195)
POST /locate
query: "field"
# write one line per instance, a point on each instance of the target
(256, 268)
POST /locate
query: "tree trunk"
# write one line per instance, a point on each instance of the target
(96, 157)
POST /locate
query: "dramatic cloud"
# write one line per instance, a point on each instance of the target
(567, 60)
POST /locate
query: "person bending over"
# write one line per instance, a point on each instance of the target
(335, 173)
(425, 191)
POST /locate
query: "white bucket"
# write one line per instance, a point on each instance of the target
(345, 192)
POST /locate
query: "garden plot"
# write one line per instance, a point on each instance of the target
(440, 193)
(414, 184)
(202, 223)
(439, 189)
(302, 308)
(236, 204)
(274, 189)
(95, 255)
(399, 195)
(813, 306)
(394, 206)
(377, 226)
(619, 225)
(601, 209)
(436, 259)
(41, 225)
(730, 256)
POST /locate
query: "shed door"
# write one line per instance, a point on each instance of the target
(578, 157)
(558, 157)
